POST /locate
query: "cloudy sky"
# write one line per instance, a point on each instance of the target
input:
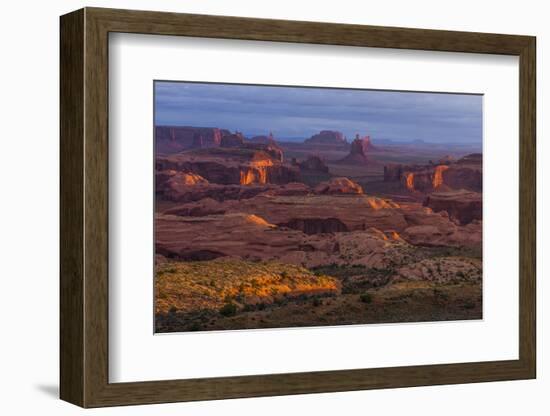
(295, 112)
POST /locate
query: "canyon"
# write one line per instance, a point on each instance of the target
(251, 231)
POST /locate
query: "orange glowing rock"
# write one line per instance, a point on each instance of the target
(395, 236)
(257, 175)
(409, 181)
(190, 178)
(339, 186)
(437, 180)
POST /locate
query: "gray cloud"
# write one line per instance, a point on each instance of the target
(301, 112)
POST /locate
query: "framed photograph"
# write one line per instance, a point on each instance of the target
(254, 207)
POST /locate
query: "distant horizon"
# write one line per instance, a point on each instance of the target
(303, 138)
(297, 113)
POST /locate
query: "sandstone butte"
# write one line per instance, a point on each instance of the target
(175, 139)
(312, 163)
(172, 139)
(269, 139)
(465, 173)
(327, 137)
(233, 165)
(359, 151)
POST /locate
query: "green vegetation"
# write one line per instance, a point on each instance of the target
(229, 309)
(356, 278)
(195, 326)
(366, 298)
(190, 286)
(430, 252)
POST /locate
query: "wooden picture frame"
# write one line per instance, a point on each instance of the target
(84, 207)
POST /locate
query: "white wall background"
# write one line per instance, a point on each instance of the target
(29, 210)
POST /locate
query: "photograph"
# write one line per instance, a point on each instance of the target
(292, 206)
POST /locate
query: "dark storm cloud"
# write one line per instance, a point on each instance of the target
(302, 112)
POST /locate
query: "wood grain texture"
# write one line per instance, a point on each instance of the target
(84, 202)
(71, 100)
(527, 207)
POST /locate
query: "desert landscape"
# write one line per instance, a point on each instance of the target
(261, 231)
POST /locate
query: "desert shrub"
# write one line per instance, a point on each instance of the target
(366, 297)
(229, 309)
(166, 271)
(195, 326)
(280, 300)
(248, 307)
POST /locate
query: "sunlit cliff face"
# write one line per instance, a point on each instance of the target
(377, 204)
(409, 181)
(254, 175)
(422, 180)
(191, 179)
(437, 180)
(257, 173)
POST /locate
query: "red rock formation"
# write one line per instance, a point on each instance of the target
(432, 236)
(173, 139)
(338, 186)
(358, 152)
(409, 181)
(464, 206)
(240, 235)
(429, 178)
(464, 177)
(187, 187)
(393, 172)
(437, 178)
(271, 149)
(327, 137)
(410, 222)
(264, 139)
(316, 225)
(289, 189)
(171, 181)
(232, 140)
(313, 163)
(312, 230)
(215, 192)
(471, 159)
(255, 174)
(357, 212)
(227, 166)
(418, 180)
